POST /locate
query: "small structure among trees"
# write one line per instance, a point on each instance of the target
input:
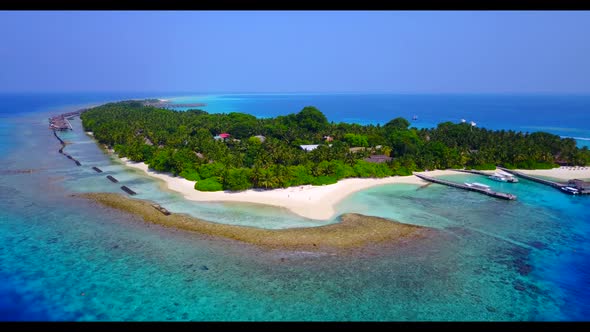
(378, 158)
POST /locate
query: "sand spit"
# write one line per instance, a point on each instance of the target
(353, 230)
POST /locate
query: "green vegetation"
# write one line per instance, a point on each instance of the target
(182, 143)
(356, 140)
(209, 184)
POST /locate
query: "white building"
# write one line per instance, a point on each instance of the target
(310, 147)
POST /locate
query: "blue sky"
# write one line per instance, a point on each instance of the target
(299, 51)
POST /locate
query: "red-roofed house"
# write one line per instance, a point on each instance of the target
(224, 135)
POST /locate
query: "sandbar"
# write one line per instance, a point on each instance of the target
(352, 230)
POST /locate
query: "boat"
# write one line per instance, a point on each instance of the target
(570, 190)
(503, 177)
(477, 185)
(415, 117)
(508, 176)
(480, 186)
(498, 177)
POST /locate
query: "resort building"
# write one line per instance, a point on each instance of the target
(222, 137)
(378, 158)
(309, 147)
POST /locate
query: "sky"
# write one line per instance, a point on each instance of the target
(296, 51)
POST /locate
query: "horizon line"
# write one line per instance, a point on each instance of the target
(190, 93)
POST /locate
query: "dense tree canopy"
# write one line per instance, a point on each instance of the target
(183, 143)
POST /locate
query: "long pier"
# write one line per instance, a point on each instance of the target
(582, 187)
(462, 186)
(535, 179)
(60, 122)
(61, 150)
(472, 171)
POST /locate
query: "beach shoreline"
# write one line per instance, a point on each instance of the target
(308, 201)
(315, 202)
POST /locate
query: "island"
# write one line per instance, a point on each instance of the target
(237, 151)
(306, 164)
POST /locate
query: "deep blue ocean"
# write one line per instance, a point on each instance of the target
(567, 116)
(65, 258)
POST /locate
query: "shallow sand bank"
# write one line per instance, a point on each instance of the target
(353, 230)
(314, 202)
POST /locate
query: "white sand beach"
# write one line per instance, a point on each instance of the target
(314, 202)
(563, 173)
(317, 202)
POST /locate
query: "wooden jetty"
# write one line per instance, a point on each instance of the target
(582, 187)
(98, 170)
(112, 179)
(61, 150)
(59, 138)
(127, 190)
(533, 178)
(161, 209)
(61, 122)
(462, 186)
(472, 171)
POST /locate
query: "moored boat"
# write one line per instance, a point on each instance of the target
(570, 190)
(498, 177)
(477, 185)
(509, 177)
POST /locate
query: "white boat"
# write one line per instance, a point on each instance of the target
(498, 177)
(477, 185)
(480, 186)
(570, 190)
(506, 177)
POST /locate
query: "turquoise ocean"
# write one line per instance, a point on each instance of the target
(65, 258)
